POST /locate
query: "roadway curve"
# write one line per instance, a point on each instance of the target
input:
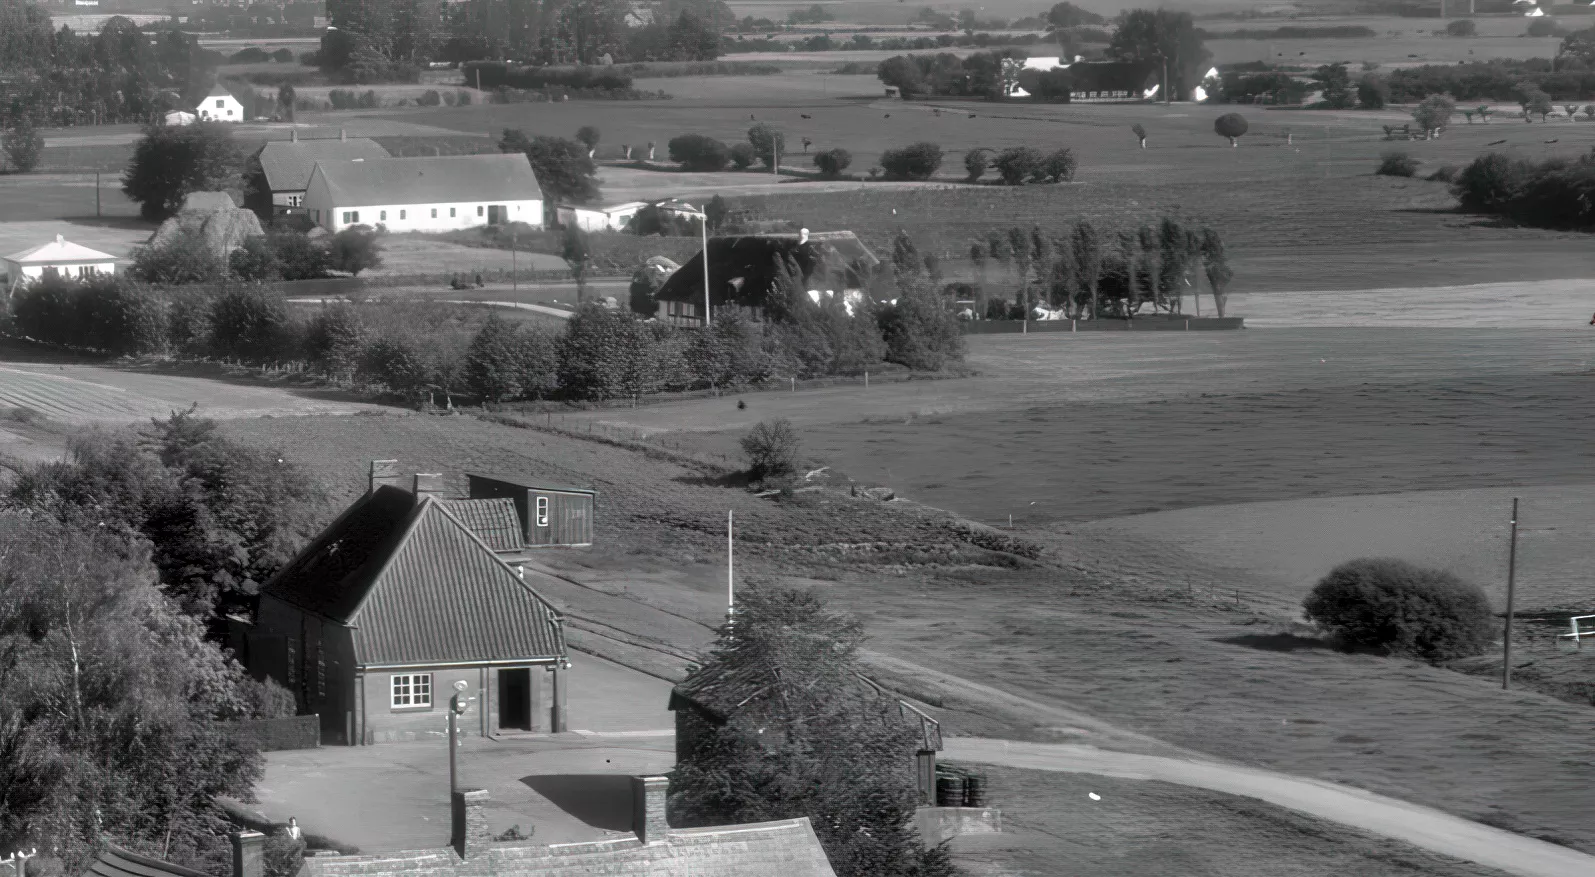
(1414, 824)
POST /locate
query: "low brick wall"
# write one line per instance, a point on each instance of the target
(937, 824)
(1143, 324)
(291, 732)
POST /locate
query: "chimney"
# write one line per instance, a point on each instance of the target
(472, 836)
(386, 472)
(648, 809)
(427, 484)
(248, 850)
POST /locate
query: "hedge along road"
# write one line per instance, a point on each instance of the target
(1420, 826)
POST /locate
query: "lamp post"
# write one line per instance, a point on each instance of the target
(456, 707)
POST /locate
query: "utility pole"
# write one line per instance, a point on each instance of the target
(731, 548)
(1511, 587)
(96, 194)
(515, 276)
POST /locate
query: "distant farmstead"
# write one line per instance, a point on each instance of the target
(743, 273)
(424, 194)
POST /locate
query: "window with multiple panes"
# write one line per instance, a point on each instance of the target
(384, 216)
(351, 216)
(542, 511)
(296, 200)
(412, 690)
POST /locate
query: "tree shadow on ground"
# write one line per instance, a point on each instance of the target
(1278, 642)
(599, 799)
(729, 479)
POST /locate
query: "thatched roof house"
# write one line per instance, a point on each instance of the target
(743, 270)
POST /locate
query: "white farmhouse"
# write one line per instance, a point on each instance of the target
(612, 218)
(60, 257)
(220, 106)
(424, 194)
(287, 164)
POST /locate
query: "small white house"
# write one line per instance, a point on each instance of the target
(60, 257)
(424, 194)
(612, 218)
(220, 106)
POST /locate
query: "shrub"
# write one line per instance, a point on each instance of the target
(429, 98)
(1397, 164)
(1446, 173)
(498, 73)
(1462, 27)
(99, 313)
(1434, 113)
(1059, 166)
(1231, 125)
(1490, 182)
(696, 152)
(255, 260)
(251, 324)
(1018, 164)
(918, 161)
(1543, 27)
(1372, 92)
(186, 257)
(772, 449)
(920, 332)
(975, 162)
(1403, 609)
(767, 142)
(832, 162)
(606, 354)
(23, 146)
(742, 155)
(508, 362)
(333, 338)
(355, 249)
(283, 56)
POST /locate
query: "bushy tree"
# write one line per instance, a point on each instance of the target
(771, 448)
(111, 704)
(1018, 164)
(185, 257)
(170, 162)
(920, 331)
(23, 146)
(695, 152)
(832, 162)
(1067, 15)
(1215, 264)
(768, 143)
(1372, 92)
(606, 354)
(903, 74)
(1397, 164)
(1059, 165)
(577, 252)
(1462, 27)
(742, 155)
(1534, 100)
(508, 362)
(1336, 83)
(1408, 610)
(917, 161)
(100, 312)
(1434, 113)
(1231, 125)
(251, 324)
(356, 248)
(564, 169)
(588, 136)
(334, 336)
(1150, 36)
(811, 741)
(1543, 27)
(975, 163)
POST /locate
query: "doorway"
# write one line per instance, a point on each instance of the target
(515, 699)
(497, 214)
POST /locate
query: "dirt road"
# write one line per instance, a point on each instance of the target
(1420, 826)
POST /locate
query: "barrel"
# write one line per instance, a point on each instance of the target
(975, 791)
(949, 791)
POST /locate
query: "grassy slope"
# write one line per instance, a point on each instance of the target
(1098, 627)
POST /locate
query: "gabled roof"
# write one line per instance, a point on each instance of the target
(494, 521)
(834, 259)
(113, 861)
(59, 251)
(419, 587)
(288, 164)
(219, 90)
(444, 179)
(788, 848)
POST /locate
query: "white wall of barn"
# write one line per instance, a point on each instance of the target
(335, 217)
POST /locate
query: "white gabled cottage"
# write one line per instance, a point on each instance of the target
(425, 194)
(220, 106)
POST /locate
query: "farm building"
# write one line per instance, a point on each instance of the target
(424, 194)
(401, 596)
(60, 257)
(286, 165)
(612, 218)
(548, 515)
(742, 272)
(787, 847)
(220, 106)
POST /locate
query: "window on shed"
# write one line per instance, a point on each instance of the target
(451, 212)
(412, 690)
(401, 214)
(478, 210)
(434, 213)
(542, 511)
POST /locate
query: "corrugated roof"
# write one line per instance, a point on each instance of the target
(494, 521)
(444, 179)
(531, 483)
(418, 586)
(113, 861)
(788, 848)
(288, 164)
(830, 260)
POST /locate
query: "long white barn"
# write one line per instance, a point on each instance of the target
(424, 194)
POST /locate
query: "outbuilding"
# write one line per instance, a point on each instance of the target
(615, 217)
(550, 515)
(396, 601)
(60, 258)
(439, 193)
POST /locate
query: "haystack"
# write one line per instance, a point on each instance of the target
(222, 223)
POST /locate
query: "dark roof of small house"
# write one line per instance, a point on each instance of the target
(788, 848)
(531, 483)
(418, 586)
(830, 258)
(288, 164)
(113, 861)
(494, 521)
(446, 179)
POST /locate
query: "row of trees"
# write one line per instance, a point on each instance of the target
(1086, 272)
(1555, 193)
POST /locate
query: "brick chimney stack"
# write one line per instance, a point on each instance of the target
(648, 808)
(427, 484)
(386, 472)
(472, 836)
(248, 853)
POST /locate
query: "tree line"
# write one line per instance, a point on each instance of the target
(1553, 193)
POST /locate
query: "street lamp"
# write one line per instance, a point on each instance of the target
(457, 705)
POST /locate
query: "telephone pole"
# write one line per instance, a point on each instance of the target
(1511, 583)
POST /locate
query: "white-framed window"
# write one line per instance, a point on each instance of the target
(451, 212)
(412, 691)
(296, 200)
(542, 511)
(351, 216)
(384, 216)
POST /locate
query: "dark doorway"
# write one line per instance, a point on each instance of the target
(497, 215)
(515, 699)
